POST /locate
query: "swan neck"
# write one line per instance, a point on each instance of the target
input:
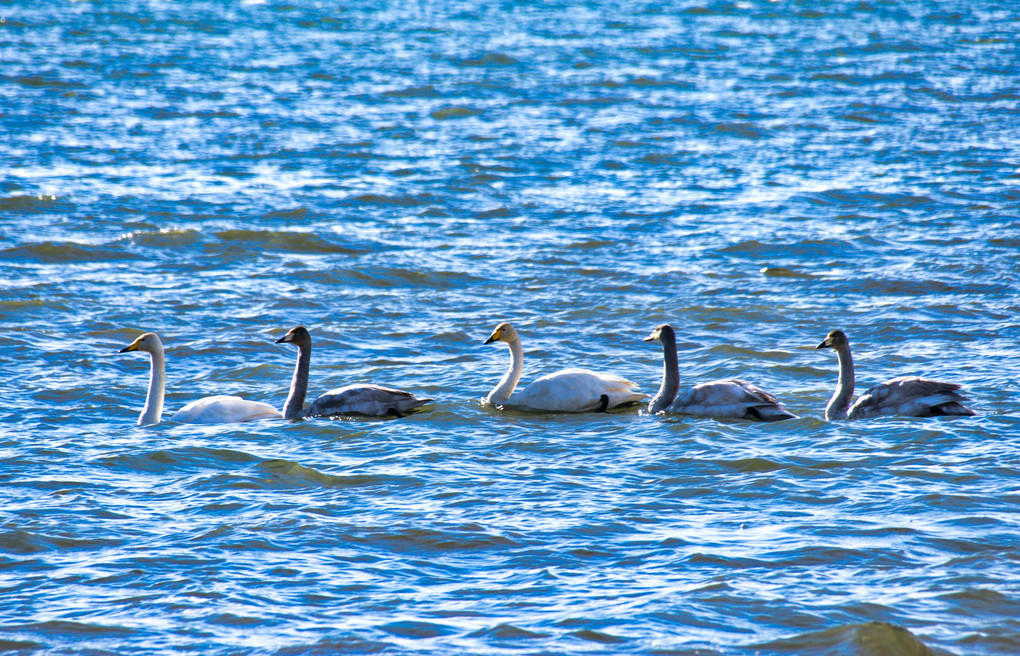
(502, 391)
(298, 384)
(670, 378)
(840, 401)
(152, 413)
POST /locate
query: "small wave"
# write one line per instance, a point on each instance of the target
(508, 632)
(41, 203)
(489, 59)
(7, 646)
(64, 628)
(49, 80)
(857, 199)
(412, 629)
(427, 91)
(383, 199)
(289, 242)
(342, 645)
(50, 252)
(456, 111)
(600, 637)
(168, 238)
(870, 639)
(740, 130)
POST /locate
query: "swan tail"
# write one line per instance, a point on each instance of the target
(769, 413)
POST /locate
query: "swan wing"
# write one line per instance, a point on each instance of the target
(910, 396)
(368, 400)
(734, 399)
(224, 410)
(576, 390)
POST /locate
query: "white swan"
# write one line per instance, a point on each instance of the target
(369, 400)
(209, 410)
(909, 396)
(569, 390)
(732, 398)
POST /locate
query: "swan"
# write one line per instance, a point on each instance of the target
(569, 390)
(732, 398)
(909, 396)
(208, 410)
(369, 400)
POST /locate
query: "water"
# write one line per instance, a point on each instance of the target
(402, 178)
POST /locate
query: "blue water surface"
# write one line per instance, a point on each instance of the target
(401, 177)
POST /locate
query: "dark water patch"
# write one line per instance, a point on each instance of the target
(424, 91)
(35, 204)
(453, 112)
(291, 242)
(386, 200)
(178, 461)
(338, 645)
(167, 238)
(26, 542)
(488, 59)
(19, 646)
(599, 637)
(63, 253)
(74, 630)
(418, 630)
(983, 602)
(871, 639)
(507, 633)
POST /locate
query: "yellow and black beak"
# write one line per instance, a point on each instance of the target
(133, 346)
(494, 337)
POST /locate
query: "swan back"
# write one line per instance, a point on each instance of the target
(224, 410)
(575, 390)
(911, 396)
(368, 400)
(732, 398)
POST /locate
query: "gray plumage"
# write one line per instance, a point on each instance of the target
(367, 400)
(909, 396)
(731, 398)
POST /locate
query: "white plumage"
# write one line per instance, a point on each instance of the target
(569, 390)
(208, 410)
(224, 409)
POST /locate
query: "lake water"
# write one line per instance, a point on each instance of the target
(401, 177)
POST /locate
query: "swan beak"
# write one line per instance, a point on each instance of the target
(824, 344)
(495, 336)
(283, 339)
(654, 337)
(133, 346)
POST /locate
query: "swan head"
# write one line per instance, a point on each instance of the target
(298, 335)
(663, 333)
(504, 332)
(834, 340)
(149, 342)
